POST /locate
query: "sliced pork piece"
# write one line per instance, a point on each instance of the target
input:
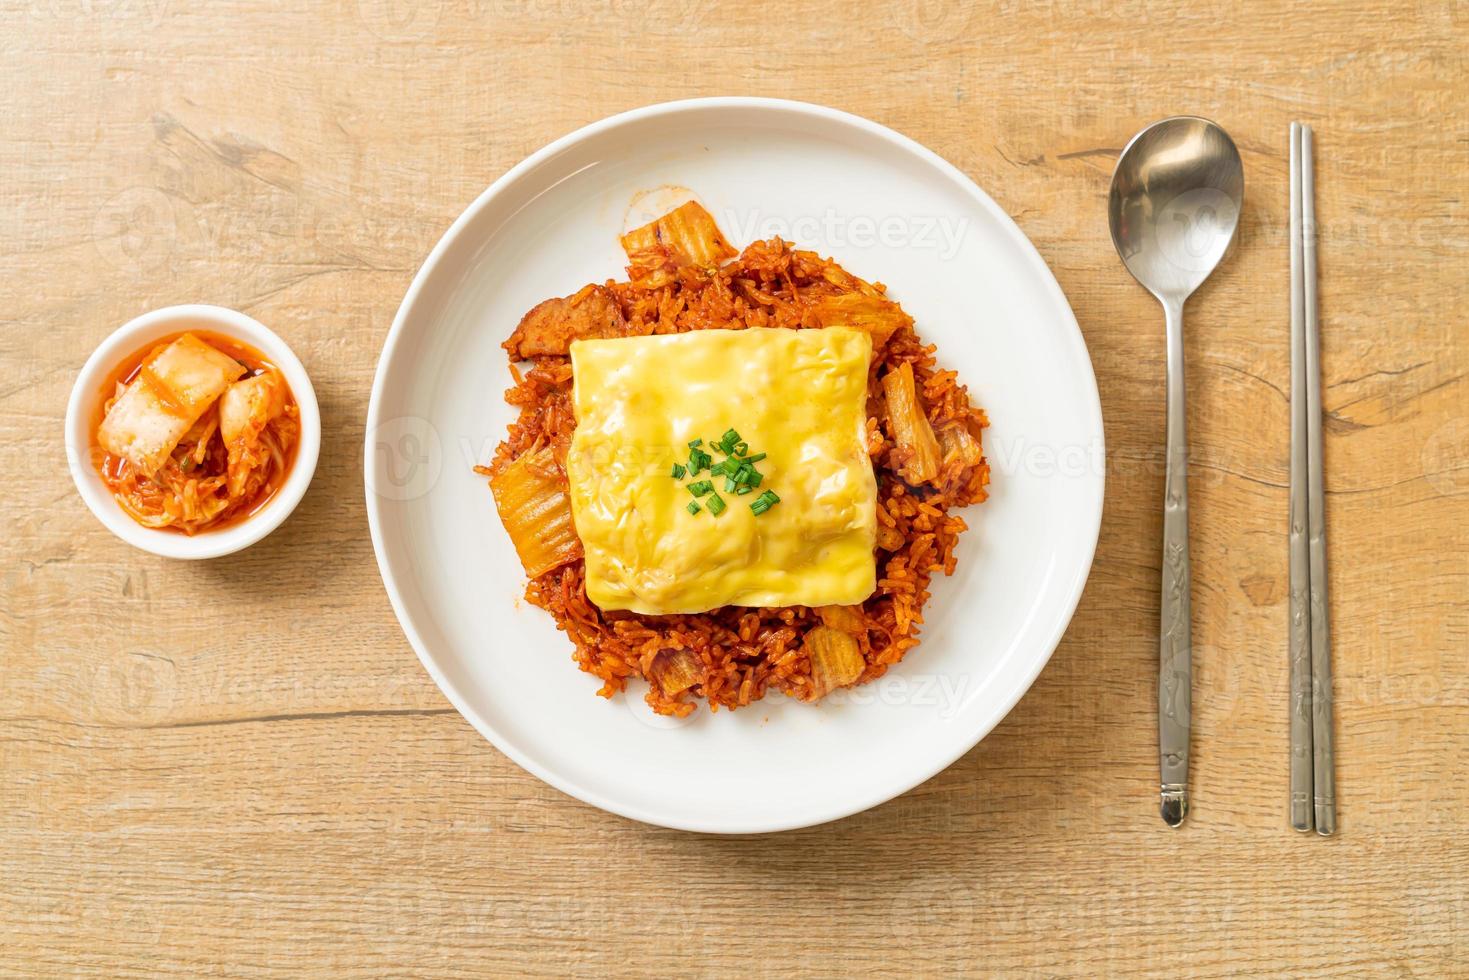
(550, 327)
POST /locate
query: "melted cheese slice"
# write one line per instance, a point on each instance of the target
(799, 396)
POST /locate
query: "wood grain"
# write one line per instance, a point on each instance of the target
(239, 767)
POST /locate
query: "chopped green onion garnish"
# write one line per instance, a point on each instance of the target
(764, 502)
(737, 467)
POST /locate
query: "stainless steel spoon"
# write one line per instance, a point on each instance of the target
(1174, 208)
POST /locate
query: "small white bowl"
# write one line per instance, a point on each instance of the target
(81, 409)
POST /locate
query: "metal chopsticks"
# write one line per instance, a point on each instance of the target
(1323, 769)
(1312, 766)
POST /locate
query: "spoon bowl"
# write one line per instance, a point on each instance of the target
(1175, 203)
(1174, 209)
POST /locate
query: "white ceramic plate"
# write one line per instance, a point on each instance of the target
(888, 210)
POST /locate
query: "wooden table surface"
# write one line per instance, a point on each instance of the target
(239, 766)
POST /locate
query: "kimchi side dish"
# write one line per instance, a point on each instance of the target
(732, 472)
(197, 432)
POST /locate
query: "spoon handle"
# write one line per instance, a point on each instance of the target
(1175, 661)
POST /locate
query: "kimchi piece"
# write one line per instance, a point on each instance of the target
(531, 494)
(910, 427)
(877, 315)
(197, 433)
(836, 659)
(685, 236)
(677, 670)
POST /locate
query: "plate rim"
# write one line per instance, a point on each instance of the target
(858, 803)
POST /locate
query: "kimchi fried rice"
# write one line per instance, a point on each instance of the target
(685, 278)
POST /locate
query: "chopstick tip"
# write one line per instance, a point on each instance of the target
(1173, 806)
